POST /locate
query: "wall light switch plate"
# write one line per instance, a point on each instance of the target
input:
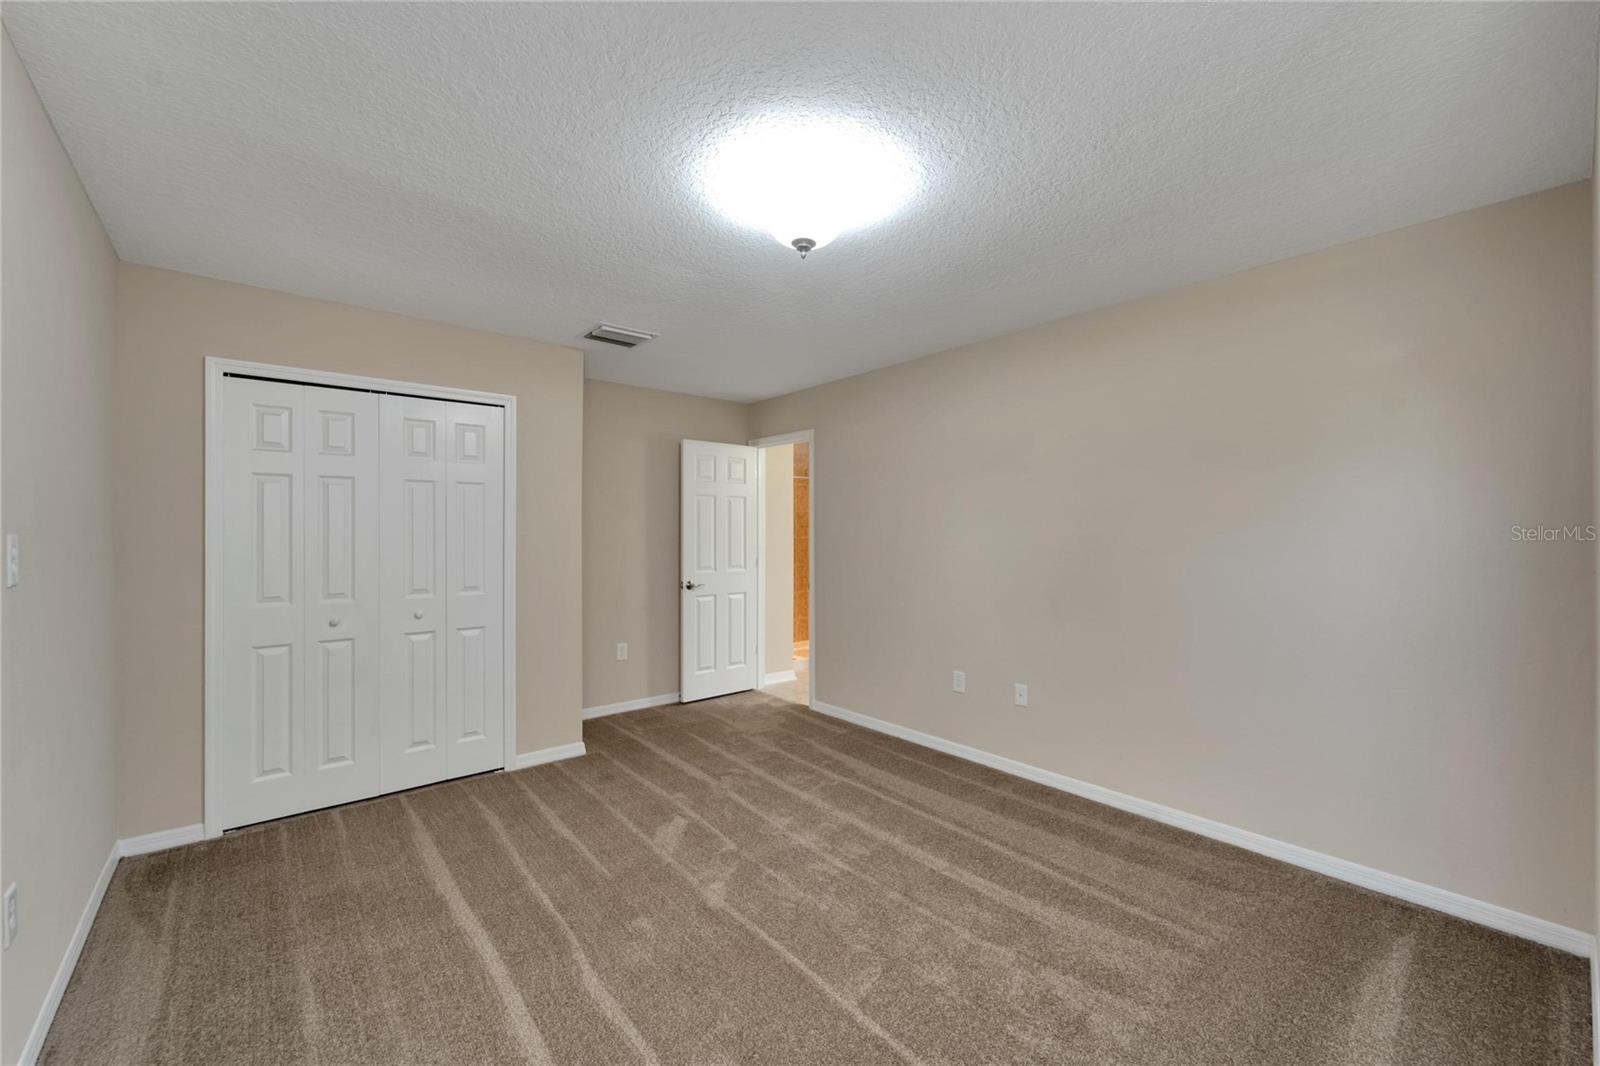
(622, 651)
(10, 913)
(1019, 694)
(958, 681)
(13, 560)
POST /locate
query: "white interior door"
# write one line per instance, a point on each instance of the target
(717, 639)
(299, 623)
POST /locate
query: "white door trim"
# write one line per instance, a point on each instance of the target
(806, 436)
(216, 369)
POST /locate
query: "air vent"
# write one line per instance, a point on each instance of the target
(622, 338)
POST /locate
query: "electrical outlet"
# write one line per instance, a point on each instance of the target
(13, 560)
(958, 681)
(11, 913)
(622, 651)
(1019, 694)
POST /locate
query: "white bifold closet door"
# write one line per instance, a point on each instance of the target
(443, 668)
(299, 659)
(362, 623)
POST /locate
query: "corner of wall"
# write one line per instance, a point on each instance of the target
(58, 684)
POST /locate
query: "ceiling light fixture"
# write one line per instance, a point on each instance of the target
(805, 179)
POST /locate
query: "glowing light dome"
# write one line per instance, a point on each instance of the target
(805, 179)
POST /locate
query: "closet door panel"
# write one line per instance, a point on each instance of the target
(261, 759)
(476, 487)
(298, 665)
(342, 612)
(414, 468)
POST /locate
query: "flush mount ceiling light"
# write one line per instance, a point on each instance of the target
(805, 179)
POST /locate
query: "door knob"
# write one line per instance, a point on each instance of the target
(416, 614)
(333, 623)
(692, 585)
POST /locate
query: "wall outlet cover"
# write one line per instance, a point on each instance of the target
(1019, 694)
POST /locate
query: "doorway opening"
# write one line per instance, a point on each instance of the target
(787, 607)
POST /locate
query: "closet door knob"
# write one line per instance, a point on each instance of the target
(416, 614)
(333, 623)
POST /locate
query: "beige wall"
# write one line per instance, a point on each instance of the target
(630, 531)
(1250, 543)
(167, 324)
(777, 559)
(56, 761)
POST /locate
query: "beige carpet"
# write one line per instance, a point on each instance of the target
(744, 881)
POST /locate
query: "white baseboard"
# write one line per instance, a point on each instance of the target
(777, 678)
(139, 845)
(543, 755)
(69, 960)
(1492, 915)
(630, 705)
(1594, 1002)
(161, 841)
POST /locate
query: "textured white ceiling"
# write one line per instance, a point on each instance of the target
(527, 168)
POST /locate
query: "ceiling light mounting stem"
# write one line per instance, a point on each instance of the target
(803, 245)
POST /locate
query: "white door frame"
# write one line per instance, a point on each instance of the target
(761, 444)
(218, 368)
